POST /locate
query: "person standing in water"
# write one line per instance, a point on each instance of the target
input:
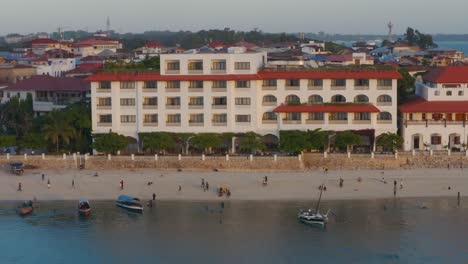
(73, 183)
(20, 189)
(48, 183)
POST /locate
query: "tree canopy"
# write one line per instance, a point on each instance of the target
(390, 141)
(414, 37)
(110, 143)
(252, 142)
(347, 139)
(157, 141)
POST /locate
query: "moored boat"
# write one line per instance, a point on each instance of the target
(26, 208)
(129, 203)
(314, 217)
(84, 208)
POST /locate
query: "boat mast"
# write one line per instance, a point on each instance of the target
(320, 198)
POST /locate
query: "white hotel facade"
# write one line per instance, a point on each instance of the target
(234, 92)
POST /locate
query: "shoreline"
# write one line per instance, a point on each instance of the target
(245, 186)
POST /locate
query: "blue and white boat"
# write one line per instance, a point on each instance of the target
(130, 203)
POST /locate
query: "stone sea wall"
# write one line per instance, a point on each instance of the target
(245, 163)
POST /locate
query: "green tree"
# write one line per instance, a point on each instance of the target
(7, 140)
(79, 116)
(414, 37)
(347, 139)
(184, 140)
(252, 142)
(406, 85)
(293, 141)
(58, 129)
(155, 141)
(32, 141)
(390, 141)
(206, 141)
(110, 143)
(316, 139)
(16, 116)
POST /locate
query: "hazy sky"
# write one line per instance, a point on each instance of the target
(331, 16)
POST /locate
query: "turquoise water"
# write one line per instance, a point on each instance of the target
(382, 231)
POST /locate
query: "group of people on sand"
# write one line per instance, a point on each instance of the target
(20, 185)
(205, 185)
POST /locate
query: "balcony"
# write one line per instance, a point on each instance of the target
(173, 124)
(104, 107)
(384, 103)
(216, 123)
(269, 122)
(292, 88)
(384, 87)
(172, 90)
(173, 106)
(148, 106)
(196, 123)
(150, 90)
(150, 124)
(195, 71)
(361, 87)
(269, 88)
(104, 124)
(314, 88)
(219, 106)
(195, 106)
(338, 122)
(291, 122)
(107, 90)
(315, 122)
(220, 71)
(269, 103)
(384, 122)
(338, 87)
(195, 90)
(219, 90)
(172, 71)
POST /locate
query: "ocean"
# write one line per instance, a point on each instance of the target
(374, 231)
(458, 45)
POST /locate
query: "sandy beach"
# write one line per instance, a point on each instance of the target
(243, 185)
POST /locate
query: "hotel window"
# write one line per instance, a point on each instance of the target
(411, 116)
(105, 119)
(196, 101)
(243, 118)
(173, 65)
(173, 118)
(127, 85)
(104, 101)
(316, 116)
(150, 101)
(269, 83)
(315, 83)
(292, 99)
(437, 116)
(361, 82)
(196, 84)
(219, 65)
(269, 116)
(153, 118)
(195, 65)
(293, 117)
(449, 93)
(242, 84)
(436, 140)
(151, 85)
(384, 116)
(104, 85)
(242, 65)
(127, 118)
(292, 82)
(423, 116)
(269, 99)
(242, 101)
(338, 116)
(127, 101)
(460, 93)
(384, 98)
(361, 116)
(220, 118)
(173, 84)
(219, 101)
(173, 101)
(338, 82)
(384, 82)
(219, 84)
(338, 98)
(196, 118)
(315, 99)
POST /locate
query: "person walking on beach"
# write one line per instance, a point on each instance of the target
(341, 182)
(154, 197)
(48, 183)
(180, 188)
(401, 184)
(73, 183)
(121, 184)
(20, 189)
(43, 176)
(207, 185)
(203, 183)
(394, 184)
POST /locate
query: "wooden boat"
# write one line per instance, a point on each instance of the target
(130, 203)
(26, 208)
(84, 209)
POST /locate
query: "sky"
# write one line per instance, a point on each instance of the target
(336, 16)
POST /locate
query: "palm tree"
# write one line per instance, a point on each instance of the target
(58, 128)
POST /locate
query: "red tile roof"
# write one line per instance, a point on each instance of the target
(94, 41)
(154, 44)
(420, 105)
(260, 76)
(41, 41)
(86, 68)
(327, 108)
(450, 74)
(49, 83)
(216, 44)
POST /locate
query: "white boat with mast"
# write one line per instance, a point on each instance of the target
(312, 217)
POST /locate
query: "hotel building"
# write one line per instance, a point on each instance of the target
(436, 119)
(233, 91)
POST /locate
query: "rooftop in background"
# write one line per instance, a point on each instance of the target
(420, 105)
(450, 74)
(48, 83)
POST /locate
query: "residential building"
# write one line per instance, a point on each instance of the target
(16, 72)
(49, 93)
(94, 46)
(349, 59)
(151, 49)
(234, 92)
(436, 119)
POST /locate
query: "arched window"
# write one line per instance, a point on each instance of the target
(436, 139)
(384, 116)
(292, 99)
(338, 98)
(361, 98)
(269, 99)
(315, 99)
(384, 99)
(269, 116)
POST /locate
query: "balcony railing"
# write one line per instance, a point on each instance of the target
(291, 122)
(104, 124)
(104, 107)
(219, 106)
(384, 87)
(313, 87)
(219, 123)
(433, 122)
(218, 90)
(150, 124)
(338, 87)
(270, 122)
(269, 103)
(150, 106)
(293, 88)
(364, 87)
(361, 122)
(172, 124)
(268, 88)
(196, 123)
(172, 90)
(315, 122)
(173, 106)
(338, 122)
(384, 103)
(195, 106)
